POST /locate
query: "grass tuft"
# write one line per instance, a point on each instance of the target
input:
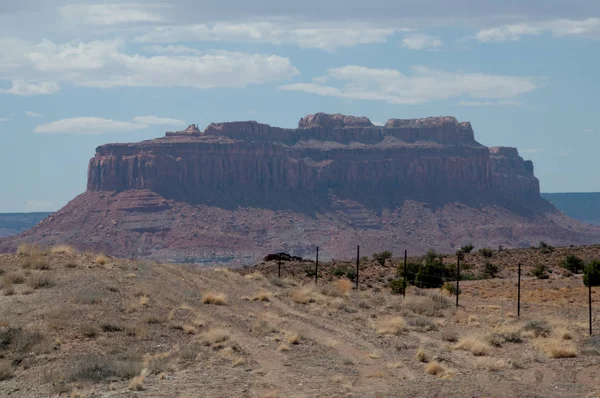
(214, 298)
(391, 325)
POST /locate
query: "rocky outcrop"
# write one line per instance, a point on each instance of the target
(237, 191)
(432, 159)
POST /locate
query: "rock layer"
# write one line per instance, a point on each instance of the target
(237, 191)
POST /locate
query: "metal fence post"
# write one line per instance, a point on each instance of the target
(279, 266)
(457, 277)
(590, 300)
(357, 260)
(519, 293)
(404, 283)
(317, 267)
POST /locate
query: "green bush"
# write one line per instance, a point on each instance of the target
(545, 248)
(351, 274)
(467, 248)
(431, 272)
(382, 257)
(540, 271)
(451, 288)
(486, 252)
(397, 285)
(339, 271)
(573, 264)
(490, 270)
(591, 274)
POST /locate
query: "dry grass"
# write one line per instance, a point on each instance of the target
(430, 305)
(473, 345)
(214, 298)
(136, 384)
(39, 279)
(422, 355)
(293, 338)
(144, 301)
(490, 364)
(27, 249)
(301, 296)
(11, 278)
(214, 336)
(283, 347)
(343, 286)
(391, 325)
(62, 249)
(189, 329)
(6, 370)
(556, 348)
(101, 259)
(35, 262)
(262, 295)
(436, 369)
(88, 330)
(262, 326)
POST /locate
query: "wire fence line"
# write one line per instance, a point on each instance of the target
(515, 304)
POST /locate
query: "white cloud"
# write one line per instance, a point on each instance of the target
(324, 37)
(88, 125)
(421, 41)
(39, 205)
(104, 64)
(172, 50)
(424, 85)
(96, 125)
(492, 103)
(587, 130)
(110, 14)
(559, 27)
(154, 120)
(32, 114)
(27, 89)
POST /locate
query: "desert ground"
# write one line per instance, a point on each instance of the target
(88, 325)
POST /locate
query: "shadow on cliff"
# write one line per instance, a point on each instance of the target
(327, 200)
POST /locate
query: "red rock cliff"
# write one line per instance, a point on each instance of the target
(432, 159)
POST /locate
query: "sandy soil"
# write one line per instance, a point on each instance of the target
(82, 325)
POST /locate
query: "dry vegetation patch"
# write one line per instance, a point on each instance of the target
(394, 325)
(214, 298)
(62, 249)
(474, 345)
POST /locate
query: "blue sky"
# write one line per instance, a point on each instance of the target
(77, 75)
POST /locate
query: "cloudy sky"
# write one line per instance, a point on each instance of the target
(75, 75)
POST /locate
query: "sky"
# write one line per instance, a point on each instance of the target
(76, 75)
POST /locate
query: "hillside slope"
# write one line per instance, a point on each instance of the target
(97, 326)
(584, 207)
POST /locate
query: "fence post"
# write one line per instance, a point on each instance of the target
(590, 300)
(457, 276)
(279, 266)
(404, 283)
(317, 267)
(519, 293)
(357, 260)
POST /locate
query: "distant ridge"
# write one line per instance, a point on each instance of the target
(14, 223)
(582, 206)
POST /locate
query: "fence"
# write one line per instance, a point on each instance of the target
(510, 299)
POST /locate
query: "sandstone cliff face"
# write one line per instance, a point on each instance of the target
(235, 191)
(433, 159)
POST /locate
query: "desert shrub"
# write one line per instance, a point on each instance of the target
(490, 270)
(545, 248)
(391, 325)
(351, 274)
(13, 278)
(540, 328)
(339, 271)
(27, 249)
(24, 341)
(35, 262)
(477, 347)
(540, 271)
(343, 286)
(382, 257)
(62, 249)
(469, 276)
(214, 298)
(101, 259)
(422, 323)
(99, 369)
(591, 274)
(39, 279)
(573, 264)
(88, 330)
(486, 252)
(450, 288)
(397, 285)
(111, 327)
(467, 248)
(6, 370)
(430, 275)
(426, 305)
(87, 297)
(310, 272)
